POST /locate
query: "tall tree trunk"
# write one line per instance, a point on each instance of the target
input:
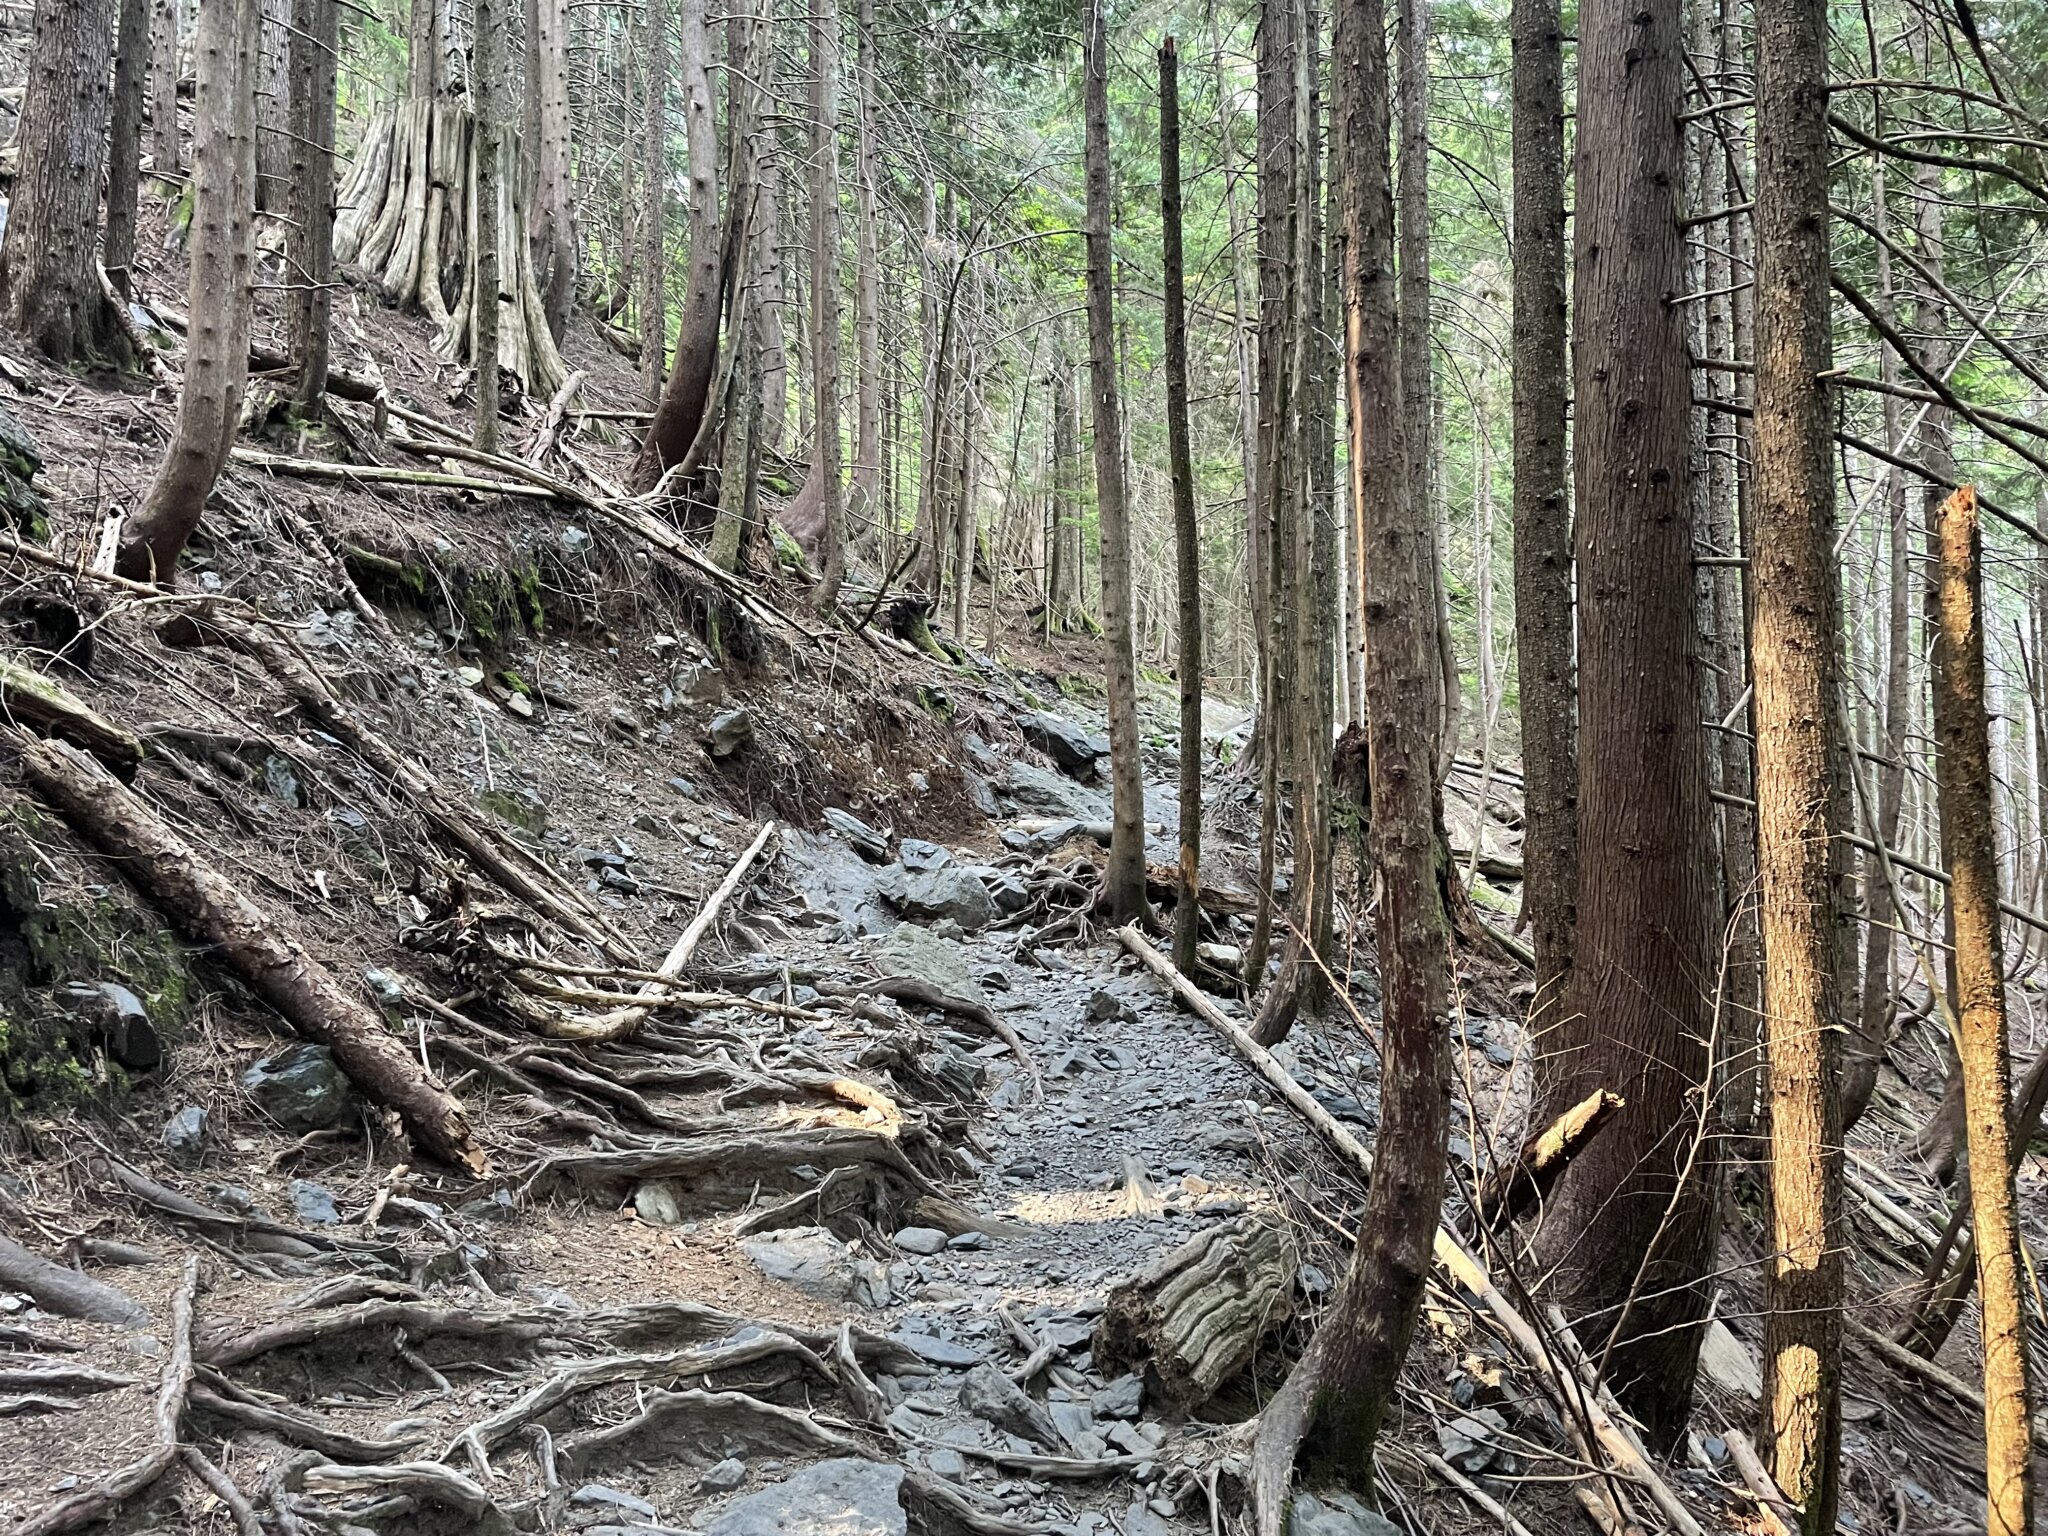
(1123, 882)
(309, 243)
(223, 257)
(124, 140)
(654, 243)
(486, 91)
(774, 352)
(163, 88)
(551, 219)
(1801, 768)
(49, 288)
(826, 449)
(1187, 926)
(1638, 1211)
(1330, 1410)
(1969, 847)
(1542, 507)
(273, 107)
(686, 398)
(867, 297)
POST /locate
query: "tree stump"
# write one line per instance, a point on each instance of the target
(1192, 1319)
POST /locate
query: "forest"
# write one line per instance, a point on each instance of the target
(988, 768)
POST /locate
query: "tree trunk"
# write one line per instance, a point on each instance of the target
(826, 450)
(1187, 549)
(679, 417)
(49, 288)
(273, 107)
(1332, 1406)
(1638, 1214)
(164, 159)
(1969, 849)
(309, 244)
(223, 258)
(124, 141)
(774, 350)
(1801, 784)
(551, 223)
(654, 245)
(1123, 881)
(867, 299)
(1543, 507)
(486, 88)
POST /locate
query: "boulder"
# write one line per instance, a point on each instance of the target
(301, 1088)
(988, 1394)
(1060, 739)
(933, 895)
(911, 952)
(730, 730)
(923, 1241)
(847, 1496)
(1040, 792)
(1337, 1514)
(815, 1262)
(314, 1204)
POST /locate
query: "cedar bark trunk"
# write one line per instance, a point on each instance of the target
(486, 87)
(551, 223)
(687, 396)
(826, 452)
(1187, 924)
(273, 106)
(654, 247)
(1332, 1406)
(253, 943)
(1542, 507)
(309, 244)
(49, 290)
(1637, 1216)
(223, 256)
(1963, 777)
(1123, 881)
(124, 140)
(164, 159)
(1801, 784)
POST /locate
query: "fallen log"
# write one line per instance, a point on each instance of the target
(1192, 1319)
(251, 942)
(106, 1496)
(65, 1291)
(45, 707)
(1517, 1187)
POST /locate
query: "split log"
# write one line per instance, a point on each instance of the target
(64, 1291)
(104, 1497)
(250, 941)
(45, 707)
(1193, 1318)
(1514, 1189)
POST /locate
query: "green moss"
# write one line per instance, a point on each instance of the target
(935, 701)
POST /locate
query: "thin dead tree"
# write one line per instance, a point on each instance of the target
(309, 243)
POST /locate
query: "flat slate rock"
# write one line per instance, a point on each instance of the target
(843, 1497)
(934, 1350)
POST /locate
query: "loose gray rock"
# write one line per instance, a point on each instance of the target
(867, 842)
(1142, 1520)
(655, 1203)
(947, 1463)
(934, 1350)
(916, 853)
(615, 1498)
(844, 1497)
(1105, 1006)
(1121, 1399)
(923, 1241)
(723, 1477)
(314, 1203)
(386, 988)
(911, 952)
(1472, 1440)
(1074, 749)
(988, 1394)
(301, 1088)
(945, 893)
(1337, 1514)
(185, 1132)
(819, 1264)
(730, 730)
(1040, 791)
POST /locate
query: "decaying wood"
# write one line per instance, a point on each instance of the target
(1513, 1190)
(425, 1481)
(1193, 1318)
(29, 698)
(104, 1497)
(255, 944)
(64, 1291)
(1779, 1517)
(294, 1426)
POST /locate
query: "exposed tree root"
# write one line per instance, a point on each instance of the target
(65, 1291)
